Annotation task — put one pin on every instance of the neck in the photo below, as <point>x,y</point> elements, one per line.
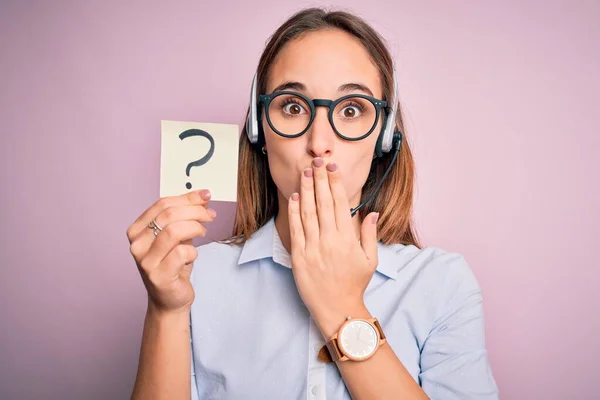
<point>283,227</point>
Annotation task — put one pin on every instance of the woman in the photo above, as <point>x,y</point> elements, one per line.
<point>304,282</point>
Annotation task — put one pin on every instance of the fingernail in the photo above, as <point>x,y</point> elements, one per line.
<point>308,172</point>
<point>317,162</point>
<point>331,167</point>
<point>295,196</point>
<point>374,218</point>
<point>205,194</point>
<point>211,212</point>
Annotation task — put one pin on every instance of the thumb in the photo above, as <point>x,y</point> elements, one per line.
<point>368,237</point>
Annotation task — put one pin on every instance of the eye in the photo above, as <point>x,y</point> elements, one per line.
<point>351,110</point>
<point>293,108</point>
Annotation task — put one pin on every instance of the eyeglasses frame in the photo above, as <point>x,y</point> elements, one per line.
<point>265,101</point>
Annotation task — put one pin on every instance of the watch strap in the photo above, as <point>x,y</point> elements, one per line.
<point>324,355</point>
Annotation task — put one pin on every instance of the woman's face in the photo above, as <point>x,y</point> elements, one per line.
<point>322,62</point>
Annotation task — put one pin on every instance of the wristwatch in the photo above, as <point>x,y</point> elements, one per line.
<point>357,340</point>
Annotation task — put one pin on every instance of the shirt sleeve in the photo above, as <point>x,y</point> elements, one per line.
<point>454,360</point>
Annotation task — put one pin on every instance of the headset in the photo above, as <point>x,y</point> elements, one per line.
<point>389,138</point>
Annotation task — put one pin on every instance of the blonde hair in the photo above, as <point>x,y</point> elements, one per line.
<point>257,200</point>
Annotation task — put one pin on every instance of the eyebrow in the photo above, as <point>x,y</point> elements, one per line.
<point>346,87</point>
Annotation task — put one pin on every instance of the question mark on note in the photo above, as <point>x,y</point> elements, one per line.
<point>203,160</point>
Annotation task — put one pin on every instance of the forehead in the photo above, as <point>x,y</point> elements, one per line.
<point>324,60</point>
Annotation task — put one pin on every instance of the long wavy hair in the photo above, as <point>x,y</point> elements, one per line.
<point>257,200</point>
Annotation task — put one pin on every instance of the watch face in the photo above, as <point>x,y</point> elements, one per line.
<point>358,339</point>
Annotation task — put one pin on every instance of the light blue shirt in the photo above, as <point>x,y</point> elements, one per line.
<point>253,338</point>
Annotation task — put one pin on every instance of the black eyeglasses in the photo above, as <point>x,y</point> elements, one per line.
<point>353,117</point>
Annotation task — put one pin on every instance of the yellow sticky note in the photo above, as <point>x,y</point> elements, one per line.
<point>197,155</point>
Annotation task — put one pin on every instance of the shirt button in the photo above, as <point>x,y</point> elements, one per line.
<point>315,390</point>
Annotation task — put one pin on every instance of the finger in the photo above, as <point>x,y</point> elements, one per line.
<point>171,236</point>
<point>323,198</point>
<point>343,219</point>
<point>200,197</point>
<point>173,265</point>
<point>179,261</point>
<point>142,242</point>
<point>295,221</point>
<point>308,208</point>
<point>178,213</point>
<point>368,238</point>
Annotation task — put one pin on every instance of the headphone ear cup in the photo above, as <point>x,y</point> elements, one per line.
<point>379,144</point>
<point>252,123</point>
<point>249,128</point>
<point>378,151</point>
<point>385,141</point>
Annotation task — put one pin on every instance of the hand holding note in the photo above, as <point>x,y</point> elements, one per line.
<point>161,245</point>
<point>193,156</point>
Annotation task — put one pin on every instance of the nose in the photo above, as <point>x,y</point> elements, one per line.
<point>321,136</point>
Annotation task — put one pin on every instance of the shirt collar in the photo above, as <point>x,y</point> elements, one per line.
<point>266,243</point>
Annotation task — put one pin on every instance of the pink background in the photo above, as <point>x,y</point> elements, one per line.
<point>502,108</point>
